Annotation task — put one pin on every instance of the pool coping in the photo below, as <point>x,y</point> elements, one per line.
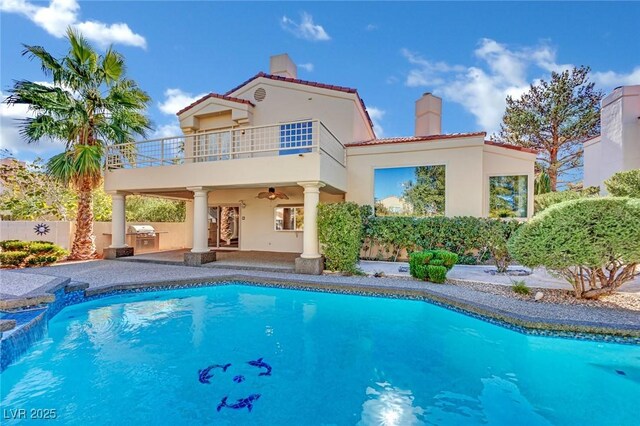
<point>66,292</point>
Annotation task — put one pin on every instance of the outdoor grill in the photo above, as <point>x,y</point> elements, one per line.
<point>143,237</point>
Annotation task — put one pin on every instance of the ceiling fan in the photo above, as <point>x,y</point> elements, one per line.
<point>272,194</point>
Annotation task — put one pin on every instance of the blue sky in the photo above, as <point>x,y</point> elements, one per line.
<point>471,54</point>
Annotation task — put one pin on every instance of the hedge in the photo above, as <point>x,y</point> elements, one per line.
<point>594,243</point>
<point>463,236</point>
<point>340,235</point>
<point>29,253</point>
<point>544,201</point>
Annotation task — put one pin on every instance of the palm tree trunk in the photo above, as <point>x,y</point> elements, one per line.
<point>84,242</point>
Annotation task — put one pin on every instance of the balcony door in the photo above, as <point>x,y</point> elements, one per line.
<point>224,227</point>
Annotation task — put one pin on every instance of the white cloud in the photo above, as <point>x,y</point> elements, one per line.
<point>307,67</point>
<point>611,79</point>
<point>376,115</point>
<point>10,138</point>
<point>176,99</point>
<point>306,29</point>
<point>166,131</point>
<point>371,27</point>
<point>61,14</point>
<point>500,71</point>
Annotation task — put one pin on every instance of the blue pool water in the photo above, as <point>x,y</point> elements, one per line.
<point>316,359</point>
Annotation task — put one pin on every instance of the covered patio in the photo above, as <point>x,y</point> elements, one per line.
<point>243,260</point>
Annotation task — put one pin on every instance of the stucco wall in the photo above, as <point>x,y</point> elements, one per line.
<point>257,230</point>
<point>463,174</point>
<point>173,235</point>
<point>290,102</point>
<point>469,164</point>
<point>60,232</point>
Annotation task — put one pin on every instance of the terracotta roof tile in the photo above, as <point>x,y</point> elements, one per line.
<point>509,146</point>
<point>217,96</point>
<point>406,139</point>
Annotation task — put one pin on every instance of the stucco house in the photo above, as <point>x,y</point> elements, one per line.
<point>617,147</point>
<point>307,143</point>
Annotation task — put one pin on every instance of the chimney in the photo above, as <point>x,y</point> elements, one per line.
<point>428,115</point>
<point>283,66</point>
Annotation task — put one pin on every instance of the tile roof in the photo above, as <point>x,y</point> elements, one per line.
<point>509,146</point>
<point>307,83</point>
<point>216,96</point>
<point>405,139</point>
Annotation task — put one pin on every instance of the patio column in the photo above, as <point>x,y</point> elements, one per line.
<point>310,261</point>
<point>188,223</point>
<point>118,247</point>
<point>118,220</point>
<point>200,220</point>
<point>200,253</point>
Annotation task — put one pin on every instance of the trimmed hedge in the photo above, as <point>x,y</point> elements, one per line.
<point>460,235</point>
<point>431,265</point>
<point>340,235</point>
<point>594,243</point>
<point>29,253</point>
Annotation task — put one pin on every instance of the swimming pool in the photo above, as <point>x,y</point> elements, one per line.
<point>240,354</point>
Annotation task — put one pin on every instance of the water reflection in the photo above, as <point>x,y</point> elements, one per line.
<point>390,406</point>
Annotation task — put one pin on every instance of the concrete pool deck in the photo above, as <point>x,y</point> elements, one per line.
<point>105,276</point>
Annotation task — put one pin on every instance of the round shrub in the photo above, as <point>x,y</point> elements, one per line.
<point>16,245</point>
<point>36,247</point>
<point>624,184</point>
<point>594,243</point>
<point>437,274</point>
<point>340,234</point>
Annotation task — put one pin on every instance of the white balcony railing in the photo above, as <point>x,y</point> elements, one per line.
<point>297,137</point>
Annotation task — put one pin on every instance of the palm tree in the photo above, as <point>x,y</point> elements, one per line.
<point>89,106</point>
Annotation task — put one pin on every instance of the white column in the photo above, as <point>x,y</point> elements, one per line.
<point>311,248</point>
<point>188,223</point>
<point>200,220</point>
<point>118,220</point>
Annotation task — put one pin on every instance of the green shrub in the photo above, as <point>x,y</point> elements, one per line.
<point>417,261</point>
<point>13,258</point>
<point>544,201</point>
<point>340,234</point>
<point>423,264</point>
<point>496,234</point>
<point>448,259</point>
<point>593,243</point>
<point>624,184</point>
<point>36,247</point>
<point>520,287</point>
<point>460,235</point>
<point>437,274</point>
<point>3,244</point>
<point>30,253</point>
<point>41,260</point>
<point>16,245</point>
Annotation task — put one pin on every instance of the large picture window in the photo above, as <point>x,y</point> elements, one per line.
<point>289,218</point>
<point>410,191</point>
<point>508,196</point>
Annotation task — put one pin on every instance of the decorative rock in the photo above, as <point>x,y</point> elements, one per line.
<point>6,325</point>
<point>539,295</point>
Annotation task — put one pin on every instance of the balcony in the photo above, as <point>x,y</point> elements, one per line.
<point>297,137</point>
<point>277,153</point>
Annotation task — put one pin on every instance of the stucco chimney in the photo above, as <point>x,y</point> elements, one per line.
<point>428,115</point>
<point>283,66</point>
